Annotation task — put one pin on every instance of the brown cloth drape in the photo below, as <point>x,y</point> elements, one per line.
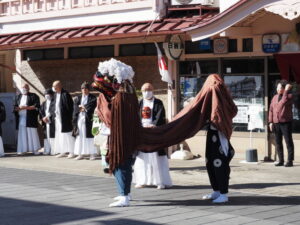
<point>213,104</point>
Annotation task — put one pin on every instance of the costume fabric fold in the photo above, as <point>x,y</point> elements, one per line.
<point>213,104</point>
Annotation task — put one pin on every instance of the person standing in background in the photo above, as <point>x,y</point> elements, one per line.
<point>280,121</point>
<point>26,109</point>
<point>152,168</point>
<point>61,109</point>
<point>84,107</point>
<point>48,123</point>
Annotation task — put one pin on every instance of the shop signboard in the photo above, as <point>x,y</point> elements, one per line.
<point>173,47</point>
<point>290,42</point>
<point>271,43</point>
<point>205,44</point>
<point>221,45</point>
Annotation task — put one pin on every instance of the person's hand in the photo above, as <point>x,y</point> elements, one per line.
<point>22,108</point>
<point>81,108</point>
<point>288,87</point>
<point>271,127</point>
<point>17,109</point>
<point>46,120</point>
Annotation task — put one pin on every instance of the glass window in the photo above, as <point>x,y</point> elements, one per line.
<point>132,50</point>
<point>238,66</point>
<point>272,66</point>
<point>192,77</point>
<point>204,67</point>
<point>248,95</point>
<point>80,52</point>
<point>103,51</point>
<point>43,54</point>
<point>54,53</point>
<point>150,48</point>
<point>189,88</point>
<point>197,47</point>
<point>232,45</point>
<point>31,55</point>
<point>247,45</point>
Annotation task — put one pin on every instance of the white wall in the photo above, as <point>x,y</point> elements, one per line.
<point>225,4</point>
<point>79,20</point>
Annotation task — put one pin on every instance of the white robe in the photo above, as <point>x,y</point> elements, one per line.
<point>28,139</point>
<point>1,147</point>
<point>83,145</point>
<point>63,142</point>
<point>48,142</point>
<point>150,168</point>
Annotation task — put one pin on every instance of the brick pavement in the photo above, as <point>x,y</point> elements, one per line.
<point>32,197</point>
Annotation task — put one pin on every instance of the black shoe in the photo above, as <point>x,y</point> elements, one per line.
<point>279,164</point>
<point>289,164</point>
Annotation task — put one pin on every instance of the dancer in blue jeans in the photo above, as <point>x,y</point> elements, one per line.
<point>123,177</point>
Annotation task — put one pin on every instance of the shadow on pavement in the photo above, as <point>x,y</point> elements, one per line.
<point>15,211</point>
<point>123,221</point>
<point>191,187</point>
<point>259,185</point>
<point>188,168</point>
<point>233,200</point>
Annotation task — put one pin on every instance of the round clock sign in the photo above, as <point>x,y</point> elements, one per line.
<point>174,47</point>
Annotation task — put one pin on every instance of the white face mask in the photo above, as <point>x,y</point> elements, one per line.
<point>48,97</point>
<point>147,95</point>
<point>24,91</point>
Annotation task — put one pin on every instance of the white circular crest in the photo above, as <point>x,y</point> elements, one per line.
<point>214,138</point>
<point>217,163</point>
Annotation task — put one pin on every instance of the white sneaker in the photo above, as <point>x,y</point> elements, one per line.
<point>161,187</point>
<point>212,196</point>
<point>60,155</point>
<point>79,157</point>
<point>122,202</point>
<point>70,156</point>
<point>92,157</point>
<point>221,199</point>
<point>120,196</point>
<point>139,186</point>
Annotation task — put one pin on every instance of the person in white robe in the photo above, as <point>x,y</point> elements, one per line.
<point>26,109</point>
<point>62,109</point>
<point>152,168</point>
<point>48,123</point>
<point>2,119</point>
<point>84,107</point>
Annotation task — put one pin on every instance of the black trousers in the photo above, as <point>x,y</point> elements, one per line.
<point>285,130</point>
<point>217,163</point>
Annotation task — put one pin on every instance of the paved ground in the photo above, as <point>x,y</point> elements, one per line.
<point>47,190</point>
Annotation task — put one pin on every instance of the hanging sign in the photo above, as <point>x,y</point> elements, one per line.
<point>271,43</point>
<point>221,45</point>
<point>205,44</point>
<point>173,47</point>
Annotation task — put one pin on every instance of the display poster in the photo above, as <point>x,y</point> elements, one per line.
<point>256,117</point>
<point>242,114</point>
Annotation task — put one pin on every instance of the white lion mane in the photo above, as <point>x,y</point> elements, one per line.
<point>117,69</point>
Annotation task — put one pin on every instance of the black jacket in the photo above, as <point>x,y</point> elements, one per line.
<point>90,107</point>
<point>32,115</point>
<point>158,116</point>
<point>2,116</point>
<point>66,110</point>
<point>51,120</point>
